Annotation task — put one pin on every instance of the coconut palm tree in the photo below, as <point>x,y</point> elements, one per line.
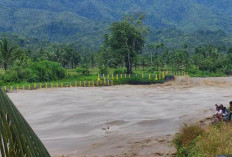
<point>17,139</point>
<point>7,53</point>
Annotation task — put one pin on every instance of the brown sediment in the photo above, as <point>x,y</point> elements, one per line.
<point>120,121</point>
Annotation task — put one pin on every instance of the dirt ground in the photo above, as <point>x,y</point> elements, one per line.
<point>119,121</point>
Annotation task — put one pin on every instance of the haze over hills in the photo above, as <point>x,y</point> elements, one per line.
<point>85,21</point>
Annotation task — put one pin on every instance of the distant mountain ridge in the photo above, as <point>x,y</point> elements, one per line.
<point>85,21</point>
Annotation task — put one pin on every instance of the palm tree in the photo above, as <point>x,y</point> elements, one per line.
<point>17,139</point>
<point>7,53</point>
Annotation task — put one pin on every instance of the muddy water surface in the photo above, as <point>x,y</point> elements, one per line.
<point>119,120</point>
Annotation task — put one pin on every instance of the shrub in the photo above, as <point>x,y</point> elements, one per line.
<point>40,71</point>
<point>46,71</point>
<point>83,71</point>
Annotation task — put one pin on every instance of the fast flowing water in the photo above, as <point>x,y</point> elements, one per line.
<point>119,120</point>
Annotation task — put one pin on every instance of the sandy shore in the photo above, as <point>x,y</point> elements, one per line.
<point>119,120</point>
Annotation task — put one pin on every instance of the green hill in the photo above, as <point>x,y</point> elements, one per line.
<point>85,21</point>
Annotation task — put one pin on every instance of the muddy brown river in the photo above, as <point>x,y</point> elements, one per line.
<point>122,120</point>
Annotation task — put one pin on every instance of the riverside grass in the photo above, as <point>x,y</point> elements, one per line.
<point>195,141</point>
<point>17,137</point>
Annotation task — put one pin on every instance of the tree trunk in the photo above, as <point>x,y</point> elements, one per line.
<point>5,66</point>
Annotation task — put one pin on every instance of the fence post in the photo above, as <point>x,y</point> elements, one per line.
<point>156,77</point>
<point>5,88</point>
<point>149,76</point>
<point>29,87</point>
<point>23,87</point>
<point>117,77</point>
<point>142,75</point>
<point>121,76</point>
<point>17,88</point>
<point>11,88</point>
<point>98,77</point>
<point>112,78</point>
<point>108,82</point>
<point>112,82</point>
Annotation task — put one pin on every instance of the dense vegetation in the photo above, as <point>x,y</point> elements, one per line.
<point>124,46</point>
<point>194,141</point>
<point>84,21</point>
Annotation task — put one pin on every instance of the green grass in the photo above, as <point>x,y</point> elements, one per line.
<point>193,141</point>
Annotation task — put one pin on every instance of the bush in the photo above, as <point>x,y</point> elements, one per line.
<point>40,71</point>
<point>83,71</point>
<point>46,71</point>
<point>17,73</point>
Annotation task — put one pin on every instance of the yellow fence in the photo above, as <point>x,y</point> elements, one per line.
<point>102,80</point>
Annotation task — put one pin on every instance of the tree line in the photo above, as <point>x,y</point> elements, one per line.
<point>124,46</point>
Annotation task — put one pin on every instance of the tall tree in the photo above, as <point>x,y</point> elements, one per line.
<point>127,39</point>
<point>7,52</point>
